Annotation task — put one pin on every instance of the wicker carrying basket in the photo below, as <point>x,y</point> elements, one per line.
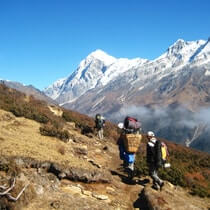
<point>132,142</point>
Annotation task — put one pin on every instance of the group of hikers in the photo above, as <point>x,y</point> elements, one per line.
<point>129,142</point>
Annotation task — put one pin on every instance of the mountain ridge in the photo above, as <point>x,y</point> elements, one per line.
<point>176,54</point>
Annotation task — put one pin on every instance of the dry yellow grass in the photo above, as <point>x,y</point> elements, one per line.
<point>21,137</point>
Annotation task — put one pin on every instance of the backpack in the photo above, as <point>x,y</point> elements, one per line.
<point>164,152</point>
<point>99,119</point>
<point>131,123</point>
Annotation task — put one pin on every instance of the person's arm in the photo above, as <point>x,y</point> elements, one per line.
<point>148,153</point>
<point>119,141</point>
<point>158,153</point>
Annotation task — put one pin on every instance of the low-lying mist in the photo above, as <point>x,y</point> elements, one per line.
<point>175,123</point>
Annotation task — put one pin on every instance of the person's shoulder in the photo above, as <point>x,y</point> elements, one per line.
<point>158,141</point>
<point>158,144</point>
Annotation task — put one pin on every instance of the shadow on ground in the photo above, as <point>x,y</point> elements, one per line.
<point>141,202</point>
<point>126,180</point>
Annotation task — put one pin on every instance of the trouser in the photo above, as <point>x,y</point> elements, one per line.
<point>128,161</point>
<point>101,133</point>
<point>131,170</point>
<point>131,166</point>
<point>153,171</point>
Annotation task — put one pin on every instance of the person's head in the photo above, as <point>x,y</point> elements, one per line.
<point>120,125</point>
<point>150,134</point>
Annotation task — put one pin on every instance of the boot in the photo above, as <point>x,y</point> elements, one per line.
<point>130,174</point>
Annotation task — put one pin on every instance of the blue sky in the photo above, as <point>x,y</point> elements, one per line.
<point>44,40</point>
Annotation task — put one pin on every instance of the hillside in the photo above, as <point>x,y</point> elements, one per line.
<point>28,90</point>
<point>81,171</point>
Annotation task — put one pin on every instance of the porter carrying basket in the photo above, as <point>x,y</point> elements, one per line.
<point>132,142</point>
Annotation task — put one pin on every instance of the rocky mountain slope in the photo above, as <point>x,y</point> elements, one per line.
<point>81,171</point>
<point>149,89</point>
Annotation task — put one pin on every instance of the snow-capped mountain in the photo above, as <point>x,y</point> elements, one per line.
<point>120,86</point>
<point>96,70</point>
<point>99,69</point>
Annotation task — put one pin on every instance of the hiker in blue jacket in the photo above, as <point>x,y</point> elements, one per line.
<point>154,160</point>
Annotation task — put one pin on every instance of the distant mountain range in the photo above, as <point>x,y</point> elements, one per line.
<point>99,72</point>
<point>28,90</point>
<point>170,94</point>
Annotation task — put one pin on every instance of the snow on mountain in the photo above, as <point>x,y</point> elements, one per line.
<point>207,73</point>
<point>95,63</point>
<point>54,90</point>
<point>202,54</point>
<point>102,56</point>
<point>86,77</point>
<point>180,53</point>
<point>98,69</point>
<point>184,49</point>
<point>120,66</point>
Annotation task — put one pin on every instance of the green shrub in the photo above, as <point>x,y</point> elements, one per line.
<point>67,116</point>
<point>200,191</point>
<point>50,130</point>
<point>40,118</point>
<point>205,162</point>
<point>141,165</point>
<point>174,175</point>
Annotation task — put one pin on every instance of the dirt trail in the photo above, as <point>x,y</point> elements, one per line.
<point>131,190</point>
<point>128,193</point>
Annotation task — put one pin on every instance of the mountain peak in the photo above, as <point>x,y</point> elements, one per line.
<point>103,56</point>
<point>179,41</point>
<point>177,46</point>
<point>98,52</point>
